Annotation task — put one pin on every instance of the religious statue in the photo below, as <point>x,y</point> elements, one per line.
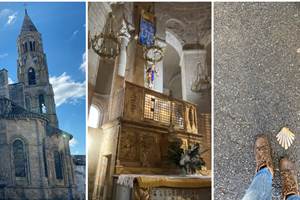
<point>151,72</point>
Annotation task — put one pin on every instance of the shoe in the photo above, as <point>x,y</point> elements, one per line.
<point>263,154</point>
<point>288,178</point>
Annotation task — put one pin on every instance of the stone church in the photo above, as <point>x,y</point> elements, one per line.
<point>35,155</point>
<point>149,85</point>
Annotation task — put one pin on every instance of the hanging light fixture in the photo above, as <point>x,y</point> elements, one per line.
<point>153,54</point>
<point>106,44</point>
<point>202,80</point>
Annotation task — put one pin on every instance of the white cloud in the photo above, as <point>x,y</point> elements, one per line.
<point>10,81</point>
<point>12,18</point>
<point>83,64</point>
<point>67,90</point>
<point>3,55</point>
<point>73,142</point>
<point>74,34</point>
<point>5,12</point>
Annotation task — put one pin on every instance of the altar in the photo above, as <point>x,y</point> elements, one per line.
<point>135,159</point>
<point>161,187</point>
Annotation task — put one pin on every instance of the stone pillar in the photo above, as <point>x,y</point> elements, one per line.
<point>124,37</point>
<point>4,83</point>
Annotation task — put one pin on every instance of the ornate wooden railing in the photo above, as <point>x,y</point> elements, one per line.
<point>139,104</point>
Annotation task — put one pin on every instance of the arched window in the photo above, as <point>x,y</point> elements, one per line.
<point>26,47</point>
<point>23,48</point>
<point>19,158</point>
<point>30,45</point>
<point>31,76</point>
<point>45,160</point>
<point>41,103</point>
<point>94,117</point>
<point>33,45</point>
<point>58,165</point>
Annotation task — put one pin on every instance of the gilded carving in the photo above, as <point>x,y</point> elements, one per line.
<point>133,102</point>
<point>141,193</point>
<point>191,119</point>
<point>128,147</point>
<point>149,153</point>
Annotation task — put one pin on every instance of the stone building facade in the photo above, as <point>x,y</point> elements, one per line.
<point>35,156</point>
<point>80,175</point>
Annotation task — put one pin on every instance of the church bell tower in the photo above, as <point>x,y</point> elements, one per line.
<point>33,72</point>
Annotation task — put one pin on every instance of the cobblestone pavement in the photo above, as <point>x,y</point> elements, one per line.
<point>256,88</point>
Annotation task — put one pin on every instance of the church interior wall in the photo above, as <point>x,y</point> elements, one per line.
<point>106,86</point>
<point>107,160</point>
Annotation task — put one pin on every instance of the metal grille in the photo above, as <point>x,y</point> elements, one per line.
<point>157,109</point>
<point>177,115</point>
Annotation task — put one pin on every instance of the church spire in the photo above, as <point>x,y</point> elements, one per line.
<point>27,25</point>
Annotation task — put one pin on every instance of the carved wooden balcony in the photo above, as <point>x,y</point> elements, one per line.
<point>147,122</point>
<point>139,104</point>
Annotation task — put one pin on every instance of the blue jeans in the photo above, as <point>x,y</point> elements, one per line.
<point>261,187</point>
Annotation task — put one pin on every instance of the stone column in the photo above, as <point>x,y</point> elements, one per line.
<point>124,37</point>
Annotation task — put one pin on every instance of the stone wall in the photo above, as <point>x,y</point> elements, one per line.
<point>35,185</point>
<point>107,161</point>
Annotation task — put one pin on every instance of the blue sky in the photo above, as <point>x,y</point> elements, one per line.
<point>62,26</point>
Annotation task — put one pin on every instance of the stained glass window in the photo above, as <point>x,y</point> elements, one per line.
<point>58,165</point>
<point>147,30</point>
<point>19,158</point>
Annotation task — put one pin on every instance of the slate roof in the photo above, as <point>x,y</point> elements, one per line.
<point>10,110</point>
<point>28,25</point>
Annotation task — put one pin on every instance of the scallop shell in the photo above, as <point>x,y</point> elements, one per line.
<point>285,138</point>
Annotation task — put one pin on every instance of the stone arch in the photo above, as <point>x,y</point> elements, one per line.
<point>172,68</point>
<point>58,164</point>
<point>20,160</point>
<point>31,76</point>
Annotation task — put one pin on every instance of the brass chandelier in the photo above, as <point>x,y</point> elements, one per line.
<point>106,44</point>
